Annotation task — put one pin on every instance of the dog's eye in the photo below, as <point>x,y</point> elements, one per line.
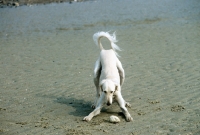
<point>105,91</point>
<point>111,92</point>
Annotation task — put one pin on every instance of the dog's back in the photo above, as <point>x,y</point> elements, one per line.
<point>108,58</point>
<point>109,69</point>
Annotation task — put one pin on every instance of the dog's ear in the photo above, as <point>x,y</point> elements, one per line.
<point>101,88</point>
<point>101,84</point>
<point>116,87</point>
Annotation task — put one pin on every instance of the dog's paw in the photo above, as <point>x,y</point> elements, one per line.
<point>127,104</point>
<point>129,118</point>
<point>87,118</point>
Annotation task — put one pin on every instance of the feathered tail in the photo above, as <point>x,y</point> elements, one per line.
<point>112,38</point>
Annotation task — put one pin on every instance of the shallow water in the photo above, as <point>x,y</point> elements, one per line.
<point>96,15</point>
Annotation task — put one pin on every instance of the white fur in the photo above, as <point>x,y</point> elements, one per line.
<point>108,77</point>
<point>97,36</point>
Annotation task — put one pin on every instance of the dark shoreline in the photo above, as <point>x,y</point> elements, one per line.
<point>16,3</point>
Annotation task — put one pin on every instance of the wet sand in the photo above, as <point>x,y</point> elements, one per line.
<point>47,57</point>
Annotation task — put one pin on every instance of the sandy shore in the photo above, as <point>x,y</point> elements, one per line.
<point>46,63</point>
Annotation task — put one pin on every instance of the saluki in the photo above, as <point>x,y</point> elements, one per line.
<point>109,76</point>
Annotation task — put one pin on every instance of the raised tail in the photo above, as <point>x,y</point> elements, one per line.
<point>112,38</point>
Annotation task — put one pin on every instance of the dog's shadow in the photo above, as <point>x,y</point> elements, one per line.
<point>82,108</point>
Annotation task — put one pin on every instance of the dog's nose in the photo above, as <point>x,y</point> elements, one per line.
<point>108,104</point>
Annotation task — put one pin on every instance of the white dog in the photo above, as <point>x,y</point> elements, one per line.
<point>108,77</point>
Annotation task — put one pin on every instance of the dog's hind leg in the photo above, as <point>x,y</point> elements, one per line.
<point>97,73</point>
<point>127,104</point>
<point>122,103</point>
<point>121,72</point>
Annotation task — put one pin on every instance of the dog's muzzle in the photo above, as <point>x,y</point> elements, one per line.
<point>108,104</point>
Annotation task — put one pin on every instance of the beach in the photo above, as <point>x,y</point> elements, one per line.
<point>47,58</point>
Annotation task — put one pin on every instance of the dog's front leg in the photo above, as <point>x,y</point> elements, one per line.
<point>122,103</point>
<point>97,110</point>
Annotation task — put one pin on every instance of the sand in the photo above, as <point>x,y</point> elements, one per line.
<point>47,57</point>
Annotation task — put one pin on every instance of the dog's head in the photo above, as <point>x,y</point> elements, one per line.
<point>108,88</point>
